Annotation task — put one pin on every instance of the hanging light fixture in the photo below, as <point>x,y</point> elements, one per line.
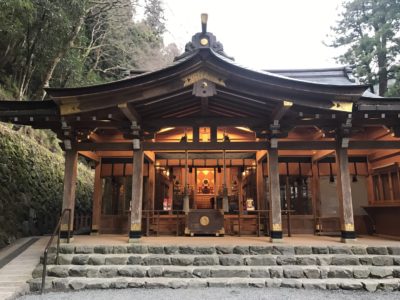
<point>355,179</point>
<point>331,177</point>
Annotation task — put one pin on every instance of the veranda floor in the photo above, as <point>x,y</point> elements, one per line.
<point>309,240</point>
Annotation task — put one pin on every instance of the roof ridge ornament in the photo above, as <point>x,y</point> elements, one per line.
<point>203,39</point>
<point>204,19</point>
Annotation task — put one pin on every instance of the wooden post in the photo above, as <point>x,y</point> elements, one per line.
<point>275,196</point>
<point>344,194</point>
<point>186,185</point>
<point>137,196</point>
<point>225,201</point>
<point>288,196</point>
<point>70,174</point>
<point>195,134</point>
<point>96,208</point>
<point>370,185</point>
<point>260,186</point>
<point>213,134</point>
<point>315,196</point>
<point>152,185</point>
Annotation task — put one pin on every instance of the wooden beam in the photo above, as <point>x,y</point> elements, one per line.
<point>129,112</point>
<point>204,122</point>
<point>247,146</point>
<point>321,154</point>
<point>137,196</point>
<point>151,156</point>
<point>205,155</point>
<point>379,107</point>
<point>28,113</point>
<point>91,155</point>
<point>281,110</point>
<point>275,196</point>
<point>261,155</point>
<point>382,155</point>
<point>204,106</point>
<point>343,186</point>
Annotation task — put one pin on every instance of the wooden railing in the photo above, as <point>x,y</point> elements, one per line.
<point>82,221</point>
<point>263,214</point>
<point>57,232</point>
<point>152,217</point>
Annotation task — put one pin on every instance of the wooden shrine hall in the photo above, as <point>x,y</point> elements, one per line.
<point>206,146</point>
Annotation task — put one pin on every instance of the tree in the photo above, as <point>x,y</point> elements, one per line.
<point>75,43</point>
<point>155,19</point>
<point>369,31</point>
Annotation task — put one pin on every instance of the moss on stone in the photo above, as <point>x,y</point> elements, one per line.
<point>31,187</point>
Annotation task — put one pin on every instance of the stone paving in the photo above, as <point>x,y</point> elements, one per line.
<point>217,293</point>
<point>15,274</point>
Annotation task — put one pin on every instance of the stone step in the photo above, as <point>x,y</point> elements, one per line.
<point>65,284</point>
<point>310,272</point>
<point>225,259</point>
<point>241,250</point>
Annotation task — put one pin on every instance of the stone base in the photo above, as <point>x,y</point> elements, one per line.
<point>65,241</point>
<point>64,236</point>
<point>134,240</point>
<point>348,236</point>
<point>276,240</point>
<point>134,236</point>
<point>348,241</point>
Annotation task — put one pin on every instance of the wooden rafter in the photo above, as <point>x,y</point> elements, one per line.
<point>281,110</point>
<point>129,112</point>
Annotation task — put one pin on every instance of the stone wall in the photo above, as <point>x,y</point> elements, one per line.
<point>31,187</point>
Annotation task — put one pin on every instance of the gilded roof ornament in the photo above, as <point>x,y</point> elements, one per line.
<point>204,39</point>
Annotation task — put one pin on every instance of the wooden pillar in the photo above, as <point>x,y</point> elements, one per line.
<point>315,196</point>
<point>96,207</point>
<point>260,186</point>
<point>152,185</point>
<point>70,175</point>
<point>225,200</point>
<point>195,134</point>
<point>213,134</point>
<point>137,196</point>
<point>344,194</point>
<point>370,185</point>
<point>275,196</point>
<point>186,184</point>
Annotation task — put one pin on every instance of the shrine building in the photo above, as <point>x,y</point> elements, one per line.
<point>206,146</point>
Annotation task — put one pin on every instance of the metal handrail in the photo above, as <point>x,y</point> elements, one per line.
<point>57,232</point>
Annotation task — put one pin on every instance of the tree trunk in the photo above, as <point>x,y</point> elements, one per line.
<point>69,44</point>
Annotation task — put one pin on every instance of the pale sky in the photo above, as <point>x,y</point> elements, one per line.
<point>262,34</point>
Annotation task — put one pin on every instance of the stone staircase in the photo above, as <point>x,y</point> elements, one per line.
<point>153,266</point>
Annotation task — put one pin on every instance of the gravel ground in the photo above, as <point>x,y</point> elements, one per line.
<point>215,293</point>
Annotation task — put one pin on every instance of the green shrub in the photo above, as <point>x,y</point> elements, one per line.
<point>31,187</point>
